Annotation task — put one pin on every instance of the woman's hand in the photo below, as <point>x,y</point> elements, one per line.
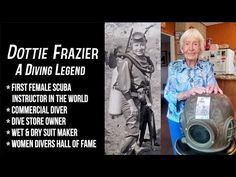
<point>192,91</point>
<point>133,108</point>
<point>213,88</point>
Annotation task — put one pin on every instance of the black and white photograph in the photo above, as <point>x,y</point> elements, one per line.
<point>132,89</point>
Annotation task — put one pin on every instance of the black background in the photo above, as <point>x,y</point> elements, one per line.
<point>88,118</point>
<point>118,11</point>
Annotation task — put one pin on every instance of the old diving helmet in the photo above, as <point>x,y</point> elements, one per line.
<point>208,123</point>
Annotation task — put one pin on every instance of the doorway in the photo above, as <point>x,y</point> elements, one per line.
<point>167,55</point>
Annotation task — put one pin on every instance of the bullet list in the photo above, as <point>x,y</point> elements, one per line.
<point>8,120</point>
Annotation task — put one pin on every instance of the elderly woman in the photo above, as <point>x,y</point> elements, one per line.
<point>186,77</point>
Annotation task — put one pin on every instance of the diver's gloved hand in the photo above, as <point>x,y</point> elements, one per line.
<point>133,108</point>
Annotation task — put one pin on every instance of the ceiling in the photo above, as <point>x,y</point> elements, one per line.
<point>210,23</point>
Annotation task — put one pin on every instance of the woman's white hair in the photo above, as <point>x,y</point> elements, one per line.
<point>192,32</point>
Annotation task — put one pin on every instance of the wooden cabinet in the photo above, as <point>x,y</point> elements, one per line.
<point>228,85</point>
